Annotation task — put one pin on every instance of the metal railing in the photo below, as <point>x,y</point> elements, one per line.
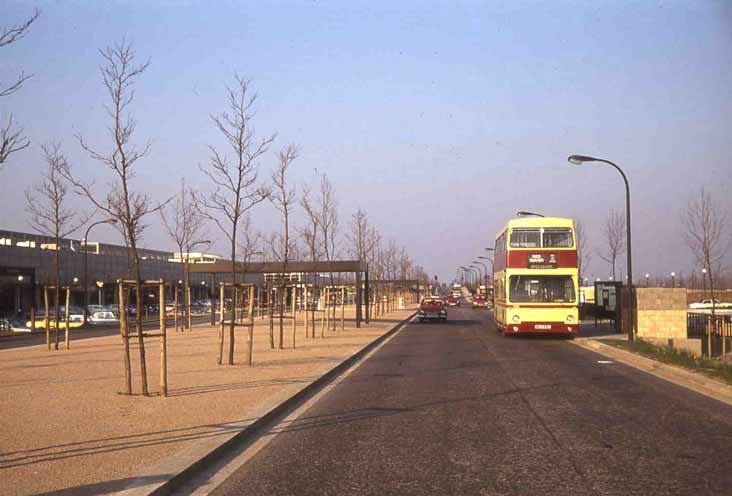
<point>716,327</point>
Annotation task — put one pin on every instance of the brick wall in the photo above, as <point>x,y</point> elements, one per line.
<point>661,312</point>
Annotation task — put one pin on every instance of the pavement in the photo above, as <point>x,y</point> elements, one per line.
<point>65,430</point>
<point>455,408</point>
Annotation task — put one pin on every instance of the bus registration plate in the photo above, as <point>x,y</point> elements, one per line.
<point>542,326</point>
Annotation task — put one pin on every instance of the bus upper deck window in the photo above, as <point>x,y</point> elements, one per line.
<point>525,238</point>
<point>557,238</point>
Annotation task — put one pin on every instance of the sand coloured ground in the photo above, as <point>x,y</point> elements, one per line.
<point>63,425</point>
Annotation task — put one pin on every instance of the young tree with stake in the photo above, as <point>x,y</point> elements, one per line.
<point>283,197</point>
<point>50,215</point>
<point>120,72</point>
<point>236,189</point>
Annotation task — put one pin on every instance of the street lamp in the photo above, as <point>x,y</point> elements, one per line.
<point>704,282</point>
<point>485,267</point>
<point>647,277</point>
<point>85,312</point>
<point>673,279</point>
<point>580,159</point>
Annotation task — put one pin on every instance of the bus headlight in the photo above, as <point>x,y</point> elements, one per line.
<point>516,319</point>
<point>570,318</point>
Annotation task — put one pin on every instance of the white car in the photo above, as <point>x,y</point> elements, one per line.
<point>103,317</point>
<point>706,304</point>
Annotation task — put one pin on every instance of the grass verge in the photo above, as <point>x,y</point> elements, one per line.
<point>711,368</point>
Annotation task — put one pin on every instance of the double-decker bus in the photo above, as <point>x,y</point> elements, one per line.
<point>535,278</point>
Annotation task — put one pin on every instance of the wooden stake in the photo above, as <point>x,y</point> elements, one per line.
<point>220,356</point>
<point>163,345</point>
<point>175,308</point>
<point>294,314</point>
<point>47,318</point>
<point>68,311</point>
<point>343,309</point>
<point>125,340</point>
<point>251,324</point>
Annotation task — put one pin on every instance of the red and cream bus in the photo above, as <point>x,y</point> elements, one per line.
<point>535,278</point>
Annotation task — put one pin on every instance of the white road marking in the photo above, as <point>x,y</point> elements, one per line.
<point>605,361</point>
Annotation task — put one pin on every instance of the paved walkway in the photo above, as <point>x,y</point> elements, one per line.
<point>64,427</point>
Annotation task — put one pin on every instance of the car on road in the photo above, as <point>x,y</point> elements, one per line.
<point>453,301</point>
<point>480,301</point>
<point>432,308</point>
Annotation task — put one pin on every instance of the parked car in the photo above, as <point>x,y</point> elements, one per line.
<point>706,304</point>
<point>432,308</point>
<point>103,317</point>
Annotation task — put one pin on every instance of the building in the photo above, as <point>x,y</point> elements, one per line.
<point>27,264</point>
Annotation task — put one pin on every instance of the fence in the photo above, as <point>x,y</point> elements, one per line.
<point>715,331</point>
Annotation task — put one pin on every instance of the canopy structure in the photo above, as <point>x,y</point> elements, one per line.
<point>335,266</point>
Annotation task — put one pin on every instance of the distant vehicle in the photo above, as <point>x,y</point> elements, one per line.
<point>480,301</point>
<point>453,301</point>
<point>706,304</point>
<point>432,308</point>
<point>535,280</point>
<point>103,317</point>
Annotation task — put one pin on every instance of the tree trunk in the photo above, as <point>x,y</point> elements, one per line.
<point>138,315</point>
<point>232,316</point>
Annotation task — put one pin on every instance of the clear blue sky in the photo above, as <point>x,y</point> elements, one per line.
<point>441,119</point>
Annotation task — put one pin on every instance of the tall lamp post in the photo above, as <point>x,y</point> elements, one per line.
<point>480,276</point>
<point>85,312</point>
<point>580,159</point>
<point>485,277</point>
<point>673,279</point>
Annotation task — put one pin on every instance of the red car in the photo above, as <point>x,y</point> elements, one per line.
<point>480,301</point>
<point>452,301</point>
<point>432,308</point>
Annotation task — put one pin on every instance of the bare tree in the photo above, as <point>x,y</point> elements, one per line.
<point>584,254</point>
<point>120,72</point>
<point>615,238</point>
<point>184,224</point>
<point>706,236</point>
<point>309,232</point>
<point>328,217</point>
<point>50,216</point>
<point>328,223</point>
<point>363,237</point>
<point>234,177</point>
<point>250,243</point>
<point>282,198</point>
<point>11,136</point>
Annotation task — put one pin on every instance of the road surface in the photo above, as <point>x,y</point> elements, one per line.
<point>455,408</point>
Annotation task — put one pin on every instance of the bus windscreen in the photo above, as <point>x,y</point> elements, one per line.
<point>541,289</point>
